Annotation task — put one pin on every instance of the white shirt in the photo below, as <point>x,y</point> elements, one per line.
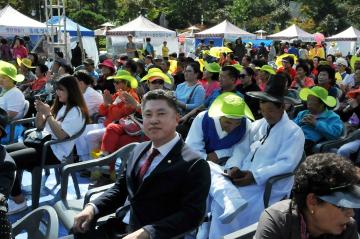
<point>164,150</point>
<point>348,80</point>
<point>13,100</point>
<point>93,100</point>
<point>71,124</point>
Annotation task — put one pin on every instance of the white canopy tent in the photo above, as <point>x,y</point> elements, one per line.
<point>225,30</point>
<point>14,23</point>
<point>141,28</point>
<point>292,32</point>
<point>347,40</point>
<point>87,36</point>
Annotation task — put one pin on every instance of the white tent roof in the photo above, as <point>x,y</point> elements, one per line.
<point>292,32</point>
<point>350,34</point>
<point>141,27</point>
<point>225,29</point>
<point>13,22</point>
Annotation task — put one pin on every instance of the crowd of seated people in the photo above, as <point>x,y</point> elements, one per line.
<point>234,117</point>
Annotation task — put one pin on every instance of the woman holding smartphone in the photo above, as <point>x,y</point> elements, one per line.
<point>62,120</point>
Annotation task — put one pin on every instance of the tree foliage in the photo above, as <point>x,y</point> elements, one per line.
<point>329,16</point>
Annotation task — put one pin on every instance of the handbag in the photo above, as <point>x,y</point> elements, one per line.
<point>36,139</point>
<point>132,125</point>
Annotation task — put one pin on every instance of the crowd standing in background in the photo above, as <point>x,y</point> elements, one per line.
<point>222,125</point>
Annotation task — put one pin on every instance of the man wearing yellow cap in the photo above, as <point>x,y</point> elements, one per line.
<point>318,122</point>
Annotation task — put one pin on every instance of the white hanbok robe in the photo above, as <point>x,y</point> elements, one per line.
<point>280,153</point>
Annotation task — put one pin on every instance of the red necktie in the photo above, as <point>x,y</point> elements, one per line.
<point>144,168</point>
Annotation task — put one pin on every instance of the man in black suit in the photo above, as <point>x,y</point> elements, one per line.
<point>162,193</point>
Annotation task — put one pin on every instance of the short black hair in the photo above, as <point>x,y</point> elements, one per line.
<point>332,57</point>
<point>84,76</point>
<point>43,68</point>
<point>3,41</point>
<point>249,71</point>
<point>195,66</point>
<point>174,54</point>
<point>131,64</point>
<point>305,67</point>
<point>320,172</point>
<point>233,72</point>
<point>68,68</point>
<point>290,59</point>
<point>160,94</point>
<point>328,69</point>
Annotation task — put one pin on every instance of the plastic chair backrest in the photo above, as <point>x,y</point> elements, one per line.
<point>26,108</point>
<point>245,233</point>
<point>41,223</point>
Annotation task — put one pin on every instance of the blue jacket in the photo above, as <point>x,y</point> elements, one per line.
<point>328,126</point>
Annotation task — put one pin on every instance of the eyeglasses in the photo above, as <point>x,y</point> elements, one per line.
<point>242,75</point>
<point>119,81</point>
<point>158,82</point>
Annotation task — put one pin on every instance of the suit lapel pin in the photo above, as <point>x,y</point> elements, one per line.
<point>169,161</point>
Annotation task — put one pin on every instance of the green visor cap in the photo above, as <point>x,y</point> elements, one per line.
<point>268,69</point>
<point>231,106</point>
<point>318,92</point>
<point>9,70</point>
<point>156,73</point>
<point>125,75</point>
<point>212,67</point>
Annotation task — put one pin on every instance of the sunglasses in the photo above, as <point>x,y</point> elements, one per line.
<point>119,81</point>
<point>158,82</point>
<point>242,76</point>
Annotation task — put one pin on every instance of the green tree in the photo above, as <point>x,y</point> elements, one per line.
<point>88,18</point>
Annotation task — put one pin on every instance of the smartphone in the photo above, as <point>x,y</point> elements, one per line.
<point>226,175</point>
<point>38,97</point>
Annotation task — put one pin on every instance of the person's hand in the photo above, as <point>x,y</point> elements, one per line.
<point>129,100</point>
<point>82,221</point>
<point>212,157</point>
<point>245,178</point>
<point>353,103</point>
<point>234,172</point>
<point>139,234</point>
<point>107,97</point>
<point>42,107</point>
<point>309,119</point>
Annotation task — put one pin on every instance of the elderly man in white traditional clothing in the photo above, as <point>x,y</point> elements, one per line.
<point>277,145</point>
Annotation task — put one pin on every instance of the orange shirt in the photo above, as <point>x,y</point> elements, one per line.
<point>118,109</point>
<point>39,84</point>
<point>308,82</point>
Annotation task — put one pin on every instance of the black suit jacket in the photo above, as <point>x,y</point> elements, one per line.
<point>170,201</point>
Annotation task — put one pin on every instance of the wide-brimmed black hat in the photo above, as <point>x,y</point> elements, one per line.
<point>3,122</point>
<point>274,91</point>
